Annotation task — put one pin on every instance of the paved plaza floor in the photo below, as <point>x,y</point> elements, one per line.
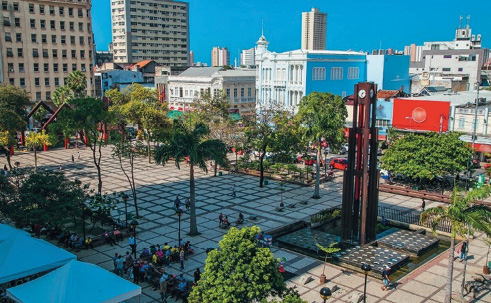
<point>158,186</point>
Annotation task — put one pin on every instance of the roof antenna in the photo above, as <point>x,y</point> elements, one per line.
<point>468,20</point>
<point>262,28</point>
<point>460,21</point>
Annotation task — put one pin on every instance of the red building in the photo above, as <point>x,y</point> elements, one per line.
<point>421,115</point>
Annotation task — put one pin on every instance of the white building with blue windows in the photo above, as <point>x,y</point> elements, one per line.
<point>285,78</point>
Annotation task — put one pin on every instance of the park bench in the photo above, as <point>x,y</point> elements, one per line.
<point>291,205</point>
<point>279,208</point>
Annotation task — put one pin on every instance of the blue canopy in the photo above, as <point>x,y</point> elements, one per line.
<point>75,282</point>
<point>21,256</point>
<point>8,231</point>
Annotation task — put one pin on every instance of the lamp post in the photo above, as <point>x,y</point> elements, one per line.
<point>134,225</point>
<point>325,293</point>
<point>83,220</point>
<point>125,199</point>
<point>179,214</point>
<point>366,269</point>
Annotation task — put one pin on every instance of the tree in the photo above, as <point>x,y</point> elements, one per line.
<point>42,197</point>
<point>463,214</point>
<point>62,95</point>
<point>88,116</point>
<point>239,272</point>
<point>13,116</point>
<point>187,142</point>
<point>77,82</point>
<point>322,116</point>
<point>40,115</point>
<point>127,151</point>
<point>424,156</point>
<point>36,140</point>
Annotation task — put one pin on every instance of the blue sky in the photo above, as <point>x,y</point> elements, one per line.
<point>351,24</point>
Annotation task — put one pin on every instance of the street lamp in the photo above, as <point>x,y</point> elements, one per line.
<point>179,214</point>
<point>366,269</point>
<point>83,219</point>
<point>125,199</point>
<point>134,225</point>
<point>325,293</point>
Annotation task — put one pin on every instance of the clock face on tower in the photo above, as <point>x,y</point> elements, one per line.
<point>362,94</point>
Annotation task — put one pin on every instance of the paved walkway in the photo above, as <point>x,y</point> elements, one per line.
<point>158,187</point>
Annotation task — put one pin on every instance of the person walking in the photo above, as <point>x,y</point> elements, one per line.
<point>177,202</point>
<point>73,159</point>
<point>132,243</point>
<point>181,257</point>
<point>115,264</point>
<point>385,278</point>
<point>423,205</point>
<point>78,155</point>
<point>463,251</point>
<point>163,290</point>
<point>234,194</point>
<point>119,266</point>
<point>197,276</point>
<point>136,272</point>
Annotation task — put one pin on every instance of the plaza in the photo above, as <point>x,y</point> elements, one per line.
<point>158,186</point>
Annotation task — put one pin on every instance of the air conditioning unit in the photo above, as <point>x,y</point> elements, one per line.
<point>11,70</point>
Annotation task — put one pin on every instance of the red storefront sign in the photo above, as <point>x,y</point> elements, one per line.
<point>421,115</point>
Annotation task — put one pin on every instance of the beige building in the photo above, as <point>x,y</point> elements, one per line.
<point>314,30</point>
<point>42,42</point>
<point>155,30</point>
<point>220,56</point>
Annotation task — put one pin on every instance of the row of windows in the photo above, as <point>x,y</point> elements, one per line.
<point>45,53</point>
<point>44,38</point>
<point>61,10</point>
<point>52,24</point>
<point>47,67</point>
<point>319,73</point>
<point>37,82</point>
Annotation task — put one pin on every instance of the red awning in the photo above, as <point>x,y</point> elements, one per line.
<point>483,148</point>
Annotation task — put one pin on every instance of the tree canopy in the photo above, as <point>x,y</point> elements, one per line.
<point>424,156</point>
<point>239,272</point>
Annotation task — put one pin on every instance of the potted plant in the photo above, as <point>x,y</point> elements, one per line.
<point>331,249</point>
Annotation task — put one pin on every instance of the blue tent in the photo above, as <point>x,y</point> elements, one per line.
<point>8,231</point>
<point>75,282</point>
<point>21,256</point>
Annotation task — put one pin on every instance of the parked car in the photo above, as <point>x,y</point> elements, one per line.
<point>342,150</point>
<point>338,163</point>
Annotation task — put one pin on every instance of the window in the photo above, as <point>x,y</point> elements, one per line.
<point>11,67</point>
<point>55,67</point>
<point>81,26</point>
<point>447,56</point>
<point>36,67</point>
<point>53,38</point>
<point>61,10</point>
<point>336,73</point>
<point>446,69</point>
<point>41,9</point>
<point>34,38</point>
<point>48,95</point>
<point>80,13</point>
<point>38,96</point>
<point>37,82</point>
<point>33,23</point>
<point>17,22</point>
<point>12,81</point>
<point>461,69</point>
<point>46,67</point>
<point>65,68</point>
<point>43,24</point>
<point>20,52</point>
<point>235,93</point>
<point>18,37</point>
<point>82,67</point>
<point>45,53</point>
<point>63,53</point>
<point>475,123</point>
<point>74,67</point>
<point>72,26</point>
<point>8,37</point>
<point>81,40</point>
<point>353,73</point>
<point>31,8</point>
<point>4,5</point>
<point>461,122</point>
<point>249,92</point>
<point>16,6</point>
<point>74,53</point>
<point>35,52</point>
<point>90,53</point>
<point>70,11</point>
<point>62,25</point>
<point>52,24</point>
<point>57,81</point>
<point>228,93</point>
<point>6,21</point>
<point>318,73</point>
<point>46,81</point>
<point>242,92</point>
<point>63,39</point>
<point>51,10</point>
<point>72,39</point>
<point>44,38</point>
<point>82,54</point>
<point>21,67</point>
<point>22,82</point>
<point>55,53</point>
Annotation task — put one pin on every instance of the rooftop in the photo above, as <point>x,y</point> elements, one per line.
<point>200,71</point>
<point>323,52</point>
<point>455,99</point>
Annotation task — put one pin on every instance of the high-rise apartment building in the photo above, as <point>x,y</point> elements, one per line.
<point>220,56</point>
<point>247,57</point>
<point>41,42</point>
<point>314,30</point>
<point>155,30</point>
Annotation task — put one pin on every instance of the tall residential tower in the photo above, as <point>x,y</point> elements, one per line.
<point>155,30</point>
<point>314,30</point>
<point>42,42</point>
<point>220,56</point>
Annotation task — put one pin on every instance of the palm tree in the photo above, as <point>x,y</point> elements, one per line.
<point>463,214</point>
<point>35,140</point>
<point>189,142</point>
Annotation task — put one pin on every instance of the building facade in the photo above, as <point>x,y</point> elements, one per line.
<point>192,84</point>
<point>220,57</point>
<point>314,30</point>
<point>390,72</point>
<point>248,57</point>
<point>155,30</point>
<point>42,42</point>
<point>285,78</point>
<point>107,80</point>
